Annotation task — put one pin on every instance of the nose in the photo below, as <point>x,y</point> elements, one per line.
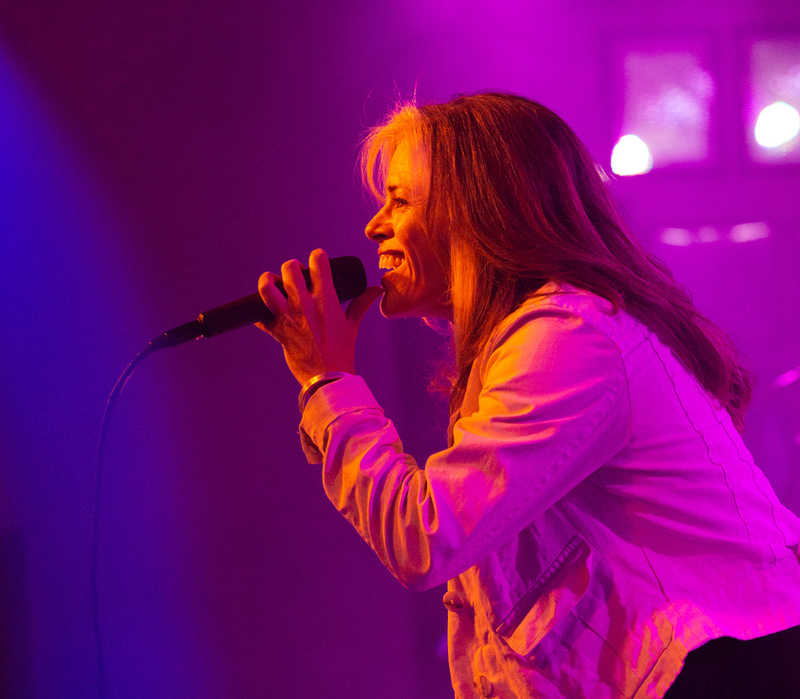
<point>379,228</point>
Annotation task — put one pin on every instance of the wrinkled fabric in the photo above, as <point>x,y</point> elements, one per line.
<point>596,514</point>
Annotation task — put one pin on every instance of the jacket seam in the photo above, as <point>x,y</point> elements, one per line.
<point>702,437</point>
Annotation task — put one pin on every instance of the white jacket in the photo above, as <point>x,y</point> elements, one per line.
<point>597,515</point>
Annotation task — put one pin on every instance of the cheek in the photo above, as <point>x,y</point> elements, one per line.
<point>433,269</point>
<point>423,253</point>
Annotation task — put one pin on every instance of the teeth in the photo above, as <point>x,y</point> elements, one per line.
<point>390,260</point>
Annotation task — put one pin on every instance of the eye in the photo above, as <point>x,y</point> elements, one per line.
<point>400,202</point>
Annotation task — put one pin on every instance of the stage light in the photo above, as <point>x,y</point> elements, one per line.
<point>787,379</point>
<point>668,98</point>
<point>745,232</point>
<point>679,237</point>
<point>631,156</point>
<point>739,233</point>
<point>773,112</point>
<point>777,125</point>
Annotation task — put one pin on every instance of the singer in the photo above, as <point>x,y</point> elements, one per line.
<point>601,526</point>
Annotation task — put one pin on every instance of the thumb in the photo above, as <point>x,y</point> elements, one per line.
<point>360,305</point>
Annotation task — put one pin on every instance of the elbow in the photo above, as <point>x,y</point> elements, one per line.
<point>420,573</point>
<point>413,542</point>
<point>420,582</point>
<point>413,574</point>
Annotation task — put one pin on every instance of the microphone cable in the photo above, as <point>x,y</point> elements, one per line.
<point>349,279</point>
<point>95,555</point>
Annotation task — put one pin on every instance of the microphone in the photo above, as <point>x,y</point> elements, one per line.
<point>349,280</point>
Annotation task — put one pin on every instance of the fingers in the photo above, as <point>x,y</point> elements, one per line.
<point>294,282</point>
<point>313,321</point>
<point>316,333</point>
<point>271,295</point>
<point>275,290</point>
<point>322,278</point>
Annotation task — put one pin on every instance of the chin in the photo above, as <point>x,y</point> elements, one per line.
<point>389,309</point>
<point>394,307</point>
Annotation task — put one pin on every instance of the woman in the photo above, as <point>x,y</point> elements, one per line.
<point>596,515</point>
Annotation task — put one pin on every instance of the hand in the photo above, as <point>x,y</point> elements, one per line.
<point>316,334</point>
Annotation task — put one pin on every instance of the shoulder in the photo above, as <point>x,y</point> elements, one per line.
<point>558,342</point>
<point>563,314</point>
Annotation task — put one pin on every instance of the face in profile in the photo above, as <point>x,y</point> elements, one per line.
<point>415,283</point>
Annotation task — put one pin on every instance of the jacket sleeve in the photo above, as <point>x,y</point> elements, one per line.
<point>552,408</point>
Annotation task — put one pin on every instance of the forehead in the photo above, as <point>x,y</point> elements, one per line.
<point>408,166</point>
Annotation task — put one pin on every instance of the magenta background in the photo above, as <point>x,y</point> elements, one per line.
<point>155,158</point>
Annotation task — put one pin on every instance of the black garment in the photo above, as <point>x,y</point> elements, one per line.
<point>728,668</point>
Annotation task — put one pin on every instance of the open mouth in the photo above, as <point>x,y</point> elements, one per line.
<point>390,260</point>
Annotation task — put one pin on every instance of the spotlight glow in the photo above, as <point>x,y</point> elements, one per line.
<point>679,237</point>
<point>777,124</point>
<point>631,156</point>
<point>745,232</point>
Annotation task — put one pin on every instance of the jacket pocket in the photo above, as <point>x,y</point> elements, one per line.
<point>550,599</point>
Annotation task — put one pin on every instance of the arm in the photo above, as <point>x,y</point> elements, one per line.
<point>552,409</point>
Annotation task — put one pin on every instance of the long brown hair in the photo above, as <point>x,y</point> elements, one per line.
<point>516,201</point>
